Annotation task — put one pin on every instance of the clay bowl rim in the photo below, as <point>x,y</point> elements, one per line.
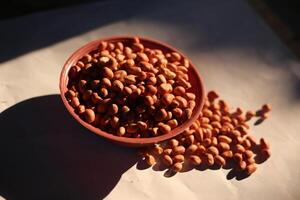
<point>125,140</point>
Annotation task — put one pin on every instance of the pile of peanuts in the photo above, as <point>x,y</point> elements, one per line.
<point>130,90</point>
<point>217,137</point>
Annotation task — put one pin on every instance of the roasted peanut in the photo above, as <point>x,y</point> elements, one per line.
<point>179,91</point>
<point>81,109</point>
<point>242,165</point>
<point>209,159</point>
<point>158,150</point>
<point>107,73</point>
<point>220,160</point>
<point>167,98</point>
<point>177,167</point>
<point>227,154</point>
<point>164,88</point>
<point>173,143</point>
<point>195,160</point>
<point>178,150</point>
<point>225,139</point>
<point>167,151</point>
<point>164,128</point>
<point>152,89</point>
<point>172,123</point>
<point>89,115</point>
<point>167,160</point>
<point>74,102</point>
<point>121,131</point>
<point>178,158</point>
<point>150,159</point>
<point>250,169</point>
<point>224,146</point>
<point>113,109</point>
<point>213,150</point>
<point>192,149</point>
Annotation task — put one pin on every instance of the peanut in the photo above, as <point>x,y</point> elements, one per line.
<point>158,150</point>
<point>173,143</point>
<point>178,150</point>
<point>220,160</point>
<point>150,160</point>
<point>251,169</point>
<point>192,149</point>
<point>209,159</point>
<point>167,160</point>
<point>89,115</point>
<point>195,160</point>
<point>178,158</point>
<point>177,167</point>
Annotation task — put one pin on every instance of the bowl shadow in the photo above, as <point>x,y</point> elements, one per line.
<point>45,154</point>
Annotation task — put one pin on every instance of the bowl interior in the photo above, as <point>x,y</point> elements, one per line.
<point>195,80</point>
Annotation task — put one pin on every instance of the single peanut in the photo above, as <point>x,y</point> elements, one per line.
<point>173,143</point>
<point>213,150</point>
<point>108,73</point>
<point>178,150</point>
<point>113,109</point>
<point>242,165</point>
<point>195,160</point>
<point>227,154</point>
<point>178,158</point>
<point>224,146</point>
<point>164,128</point>
<point>89,115</point>
<point>167,98</point>
<point>75,102</point>
<point>121,131</point>
<point>167,151</point>
<point>209,159</point>
<point>225,139</point>
<point>179,91</point>
<point>167,160</point>
<point>172,123</point>
<point>250,169</point>
<point>220,160</point>
<point>192,149</point>
<point>177,167</point>
<point>150,160</point>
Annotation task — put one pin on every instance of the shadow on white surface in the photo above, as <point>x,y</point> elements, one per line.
<point>45,154</point>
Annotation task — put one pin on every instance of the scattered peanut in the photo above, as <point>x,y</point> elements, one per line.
<point>216,138</point>
<point>131,90</point>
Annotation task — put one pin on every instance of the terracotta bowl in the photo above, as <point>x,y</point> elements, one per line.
<point>195,79</point>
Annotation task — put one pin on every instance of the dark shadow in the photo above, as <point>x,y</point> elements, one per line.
<point>32,32</point>
<point>201,167</point>
<point>159,166</point>
<point>214,26</point>
<point>142,165</point>
<point>259,121</point>
<point>229,164</point>
<point>45,154</point>
<point>259,156</point>
<point>187,166</point>
<point>238,175</point>
<point>169,173</point>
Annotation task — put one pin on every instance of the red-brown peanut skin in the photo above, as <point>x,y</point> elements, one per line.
<point>131,141</point>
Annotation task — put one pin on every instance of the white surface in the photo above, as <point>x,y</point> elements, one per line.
<point>234,51</point>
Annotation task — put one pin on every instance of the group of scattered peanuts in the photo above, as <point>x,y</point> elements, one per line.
<point>130,90</point>
<point>217,137</point>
